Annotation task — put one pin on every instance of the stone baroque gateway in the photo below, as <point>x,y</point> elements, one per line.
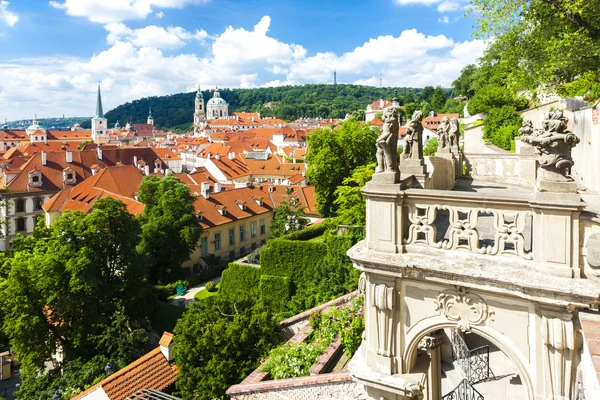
<point>501,266</point>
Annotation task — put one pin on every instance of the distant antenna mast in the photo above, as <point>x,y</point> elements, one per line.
<point>380,79</point>
<point>334,77</point>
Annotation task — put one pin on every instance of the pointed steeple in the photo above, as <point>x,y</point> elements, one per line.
<point>99,111</point>
<point>149,112</point>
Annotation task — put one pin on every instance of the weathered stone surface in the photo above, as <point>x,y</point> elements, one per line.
<point>387,160</point>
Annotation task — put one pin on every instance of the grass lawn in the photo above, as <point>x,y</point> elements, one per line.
<point>203,294</point>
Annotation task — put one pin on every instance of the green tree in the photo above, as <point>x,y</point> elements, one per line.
<point>287,217</point>
<point>431,147</point>
<point>501,126</point>
<point>410,108</point>
<point>219,343</point>
<point>494,96</point>
<point>438,99</point>
<point>170,229</point>
<point>425,107</point>
<point>463,85</point>
<point>333,155</point>
<point>349,200</point>
<point>549,42</point>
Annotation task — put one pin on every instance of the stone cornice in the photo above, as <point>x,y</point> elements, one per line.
<point>500,275</point>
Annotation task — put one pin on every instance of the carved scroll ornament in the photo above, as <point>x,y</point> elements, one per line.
<point>466,309</point>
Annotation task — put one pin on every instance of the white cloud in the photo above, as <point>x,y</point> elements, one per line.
<point>7,17</point>
<point>444,20</point>
<point>152,36</point>
<point>424,2</point>
<point>110,11</point>
<point>134,66</point>
<point>159,14</point>
<point>448,6</point>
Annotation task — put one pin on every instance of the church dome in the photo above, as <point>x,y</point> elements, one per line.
<point>216,99</point>
<point>34,127</point>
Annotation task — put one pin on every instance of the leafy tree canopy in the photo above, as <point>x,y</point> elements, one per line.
<point>350,202</point>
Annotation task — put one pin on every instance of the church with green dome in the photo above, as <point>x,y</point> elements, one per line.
<point>217,107</point>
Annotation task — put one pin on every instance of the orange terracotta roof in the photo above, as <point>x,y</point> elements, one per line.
<point>434,122</point>
<point>273,165</point>
<point>304,195</point>
<point>151,371</point>
<point>78,136</point>
<point>166,339</point>
<point>296,179</point>
<point>376,122</point>
<point>380,104</point>
<point>116,182</point>
<point>232,169</point>
<point>229,201</point>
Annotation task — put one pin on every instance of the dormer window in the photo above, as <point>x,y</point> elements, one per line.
<point>258,200</point>
<point>222,209</point>
<point>199,216</point>
<point>69,176</point>
<point>35,178</point>
<point>241,204</point>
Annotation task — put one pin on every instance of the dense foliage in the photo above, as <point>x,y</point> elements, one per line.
<point>288,217</point>
<point>333,155</point>
<point>350,202</point>
<point>292,360</point>
<point>80,287</point>
<point>219,342</point>
<point>170,230</point>
<point>290,103</point>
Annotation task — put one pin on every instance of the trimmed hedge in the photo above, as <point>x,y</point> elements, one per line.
<point>293,258</point>
<point>239,281</point>
<point>307,233</point>
<point>274,291</point>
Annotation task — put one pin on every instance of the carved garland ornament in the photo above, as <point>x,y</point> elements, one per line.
<point>466,309</point>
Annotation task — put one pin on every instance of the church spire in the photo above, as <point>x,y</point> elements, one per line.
<point>99,111</point>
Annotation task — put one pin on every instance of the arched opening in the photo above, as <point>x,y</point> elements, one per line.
<point>471,365</point>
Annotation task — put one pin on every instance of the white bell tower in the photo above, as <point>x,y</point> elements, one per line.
<point>99,123</point>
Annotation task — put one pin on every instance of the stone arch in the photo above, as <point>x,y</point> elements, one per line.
<point>424,327</point>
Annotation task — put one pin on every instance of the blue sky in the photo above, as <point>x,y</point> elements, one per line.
<point>53,52</point>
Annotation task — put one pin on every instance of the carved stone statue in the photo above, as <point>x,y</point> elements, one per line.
<point>443,132</point>
<point>553,144</point>
<point>387,143</point>
<point>454,133</point>
<point>527,128</point>
<point>414,137</point>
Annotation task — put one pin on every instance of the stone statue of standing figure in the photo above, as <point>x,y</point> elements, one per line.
<point>387,143</point>
<point>414,137</point>
<point>443,132</point>
<point>454,133</point>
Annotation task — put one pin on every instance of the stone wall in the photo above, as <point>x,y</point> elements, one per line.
<point>319,387</point>
<point>586,154</point>
<point>515,169</point>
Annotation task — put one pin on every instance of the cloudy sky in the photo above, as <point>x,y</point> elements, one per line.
<point>54,52</point>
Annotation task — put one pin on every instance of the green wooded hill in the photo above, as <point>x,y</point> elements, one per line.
<point>291,102</point>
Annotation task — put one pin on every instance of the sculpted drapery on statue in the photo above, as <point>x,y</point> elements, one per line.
<point>387,143</point>
<point>454,133</point>
<point>443,132</point>
<point>413,140</point>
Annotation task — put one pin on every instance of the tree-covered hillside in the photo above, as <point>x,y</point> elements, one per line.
<point>290,102</point>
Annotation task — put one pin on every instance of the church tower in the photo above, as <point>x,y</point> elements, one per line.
<point>99,123</point>
<point>199,112</point>
<point>150,120</point>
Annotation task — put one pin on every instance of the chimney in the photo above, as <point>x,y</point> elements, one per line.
<point>206,190</point>
<point>69,155</point>
<point>147,170</point>
<point>217,187</point>
<point>167,171</point>
<point>432,113</point>
<point>166,346</point>
<point>231,155</point>
<point>43,158</point>
<point>99,153</point>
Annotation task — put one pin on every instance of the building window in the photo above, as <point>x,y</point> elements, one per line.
<point>263,226</point>
<point>232,237</point>
<point>253,229</point>
<point>218,241</point>
<point>37,203</point>
<point>232,254</point>
<point>204,246</point>
<point>242,233</point>
<point>20,224</point>
<point>19,205</point>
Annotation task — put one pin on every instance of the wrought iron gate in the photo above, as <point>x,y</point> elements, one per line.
<point>464,391</point>
<point>474,363</point>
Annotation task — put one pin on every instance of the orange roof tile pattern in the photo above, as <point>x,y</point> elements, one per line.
<point>432,123</point>
<point>273,166</point>
<point>116,182</point>
<point>380,104</point>
<point>151,371</point>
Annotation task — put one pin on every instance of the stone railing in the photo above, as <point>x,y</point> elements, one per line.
<point>485,220</point>
<point>473,227</point>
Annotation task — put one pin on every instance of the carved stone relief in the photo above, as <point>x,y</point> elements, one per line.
<point>466,309</point>
<point>384,302</point>
<point>559,339</point>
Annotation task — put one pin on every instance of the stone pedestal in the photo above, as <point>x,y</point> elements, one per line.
<point>416,167</point>
<point>384,214</point>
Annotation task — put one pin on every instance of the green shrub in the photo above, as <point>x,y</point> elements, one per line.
<point>274,291</point>
<point>165,316</point>
<point>351,336</point>
<point>292,360</point>
<point>211,287</point>
<point>163,292</point>
<point>204,294</point>
<point>292,258</point>
<point>254,257</point>
<point>239,281</point>
<point>307,233</point>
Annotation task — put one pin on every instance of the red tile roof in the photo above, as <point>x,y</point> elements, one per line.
<point>432,123</point>
<point>380,104</point>
<point>152,371</point>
